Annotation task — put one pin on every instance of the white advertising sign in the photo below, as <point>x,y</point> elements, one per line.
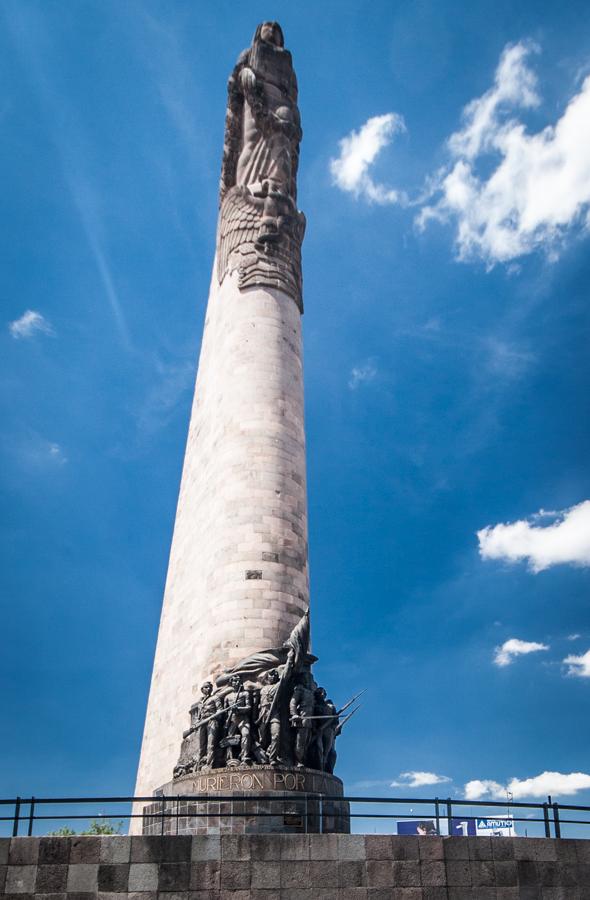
<point>495,827</point>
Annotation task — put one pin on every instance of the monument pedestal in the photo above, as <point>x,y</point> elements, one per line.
<point>252,800</point>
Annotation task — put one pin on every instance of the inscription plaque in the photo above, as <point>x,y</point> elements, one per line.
<point>261,779</point>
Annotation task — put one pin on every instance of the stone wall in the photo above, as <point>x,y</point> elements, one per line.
<point>294,867</point>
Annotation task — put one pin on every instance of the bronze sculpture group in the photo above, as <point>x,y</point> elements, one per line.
<point>266,710</point>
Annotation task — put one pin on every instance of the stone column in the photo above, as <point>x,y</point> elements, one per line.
<point>238,575</point>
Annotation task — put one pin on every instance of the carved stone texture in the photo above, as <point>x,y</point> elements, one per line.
<point>266,710</point>
<point>260,229</point>
<point>246,799</point>
<point>262,778</point>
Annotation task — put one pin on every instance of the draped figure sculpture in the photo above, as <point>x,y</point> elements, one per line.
<point>260,228</point>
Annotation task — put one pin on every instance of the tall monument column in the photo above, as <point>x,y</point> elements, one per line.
<point>233,644</point>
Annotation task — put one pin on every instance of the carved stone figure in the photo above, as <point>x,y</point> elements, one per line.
<point>301,710</point>
<point>238,704</point>
<point>260,228</point>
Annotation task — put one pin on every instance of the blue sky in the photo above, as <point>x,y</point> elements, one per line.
<point>447,374</point>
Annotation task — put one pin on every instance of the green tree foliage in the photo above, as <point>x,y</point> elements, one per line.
<point>103,827</point>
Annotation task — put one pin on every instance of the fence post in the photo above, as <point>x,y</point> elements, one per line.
<point>556,824</point>
<point>31,816</point>
<point>321,813</point>
<point>16,817</point>
<point>163,809</point>
<point>450,816</point>
<point>546,820</point>
<point>437,815</point>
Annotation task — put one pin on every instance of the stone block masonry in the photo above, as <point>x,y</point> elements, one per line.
<point>238,572</point>
<point>294,867</point>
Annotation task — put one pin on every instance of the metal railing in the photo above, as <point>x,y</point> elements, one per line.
<point>26,811</point>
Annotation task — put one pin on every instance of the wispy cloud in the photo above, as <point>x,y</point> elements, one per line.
<point>554,783</point>
<point>510,649</point>
<point>173,380</point>
<point>30,323</point>
<point>175,80</point>
<point>84,198</point>
<point>578,666</point>
<point>32,41</point>
<point>56,454</point>
<point>419,779</point>
<point>362,374</point>
<point>507,359</point>
<point>515,85</point>
<point>36,453</point>
<point>368,783</point>
<point>540,188</point>
<point>566,540</point>
<point>358,151</point>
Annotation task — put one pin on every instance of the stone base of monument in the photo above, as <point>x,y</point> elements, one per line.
<point>252,800</point>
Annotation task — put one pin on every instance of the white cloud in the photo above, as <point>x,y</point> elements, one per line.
<point>362,373</point>
<point>514,85</point>
<point>477,790</point>
<point>56,454</point>
<point>540,187</point>
<point>566,540</point>
<point>554,783</point>
<point>419,779</point>
<point>514,647</point>
<point>29,323</point>
<point>350,171</point>
<point>579,666</point>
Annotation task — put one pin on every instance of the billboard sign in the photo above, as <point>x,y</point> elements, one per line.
<point>415,826</point>
<point>464,826</point>
<point>495,826</point>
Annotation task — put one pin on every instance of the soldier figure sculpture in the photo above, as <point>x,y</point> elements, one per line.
<point>239,723</point>
<point>269,717</point>
<point>211,709</point>
<point>301,709</point>
<point>324,729</point>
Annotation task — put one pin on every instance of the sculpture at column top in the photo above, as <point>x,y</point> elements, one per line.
<point>260,229</point>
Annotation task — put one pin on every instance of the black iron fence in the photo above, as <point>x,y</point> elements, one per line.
<point>22,814</point>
